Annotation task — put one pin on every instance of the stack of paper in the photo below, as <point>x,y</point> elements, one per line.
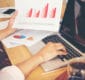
<point>26,37</point>
<point>3,24</point>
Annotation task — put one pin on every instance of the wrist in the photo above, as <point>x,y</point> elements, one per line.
<point>40,58</point>
<point>9,30</point>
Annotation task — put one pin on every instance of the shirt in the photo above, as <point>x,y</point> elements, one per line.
<point>4,59</point>
<point>11,73</point>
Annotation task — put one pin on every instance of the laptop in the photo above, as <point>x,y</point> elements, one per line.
<point>71,35</point>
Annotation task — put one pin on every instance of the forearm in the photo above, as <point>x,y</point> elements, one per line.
<point>27,66</point>
<point>50,51</point>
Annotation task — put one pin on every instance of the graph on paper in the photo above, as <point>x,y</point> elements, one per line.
<point>38,14</point>
<point>44,13</point>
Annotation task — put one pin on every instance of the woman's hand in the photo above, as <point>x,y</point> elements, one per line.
<point>11,22</point>
<point>7,31</point>
<point>51,50</point>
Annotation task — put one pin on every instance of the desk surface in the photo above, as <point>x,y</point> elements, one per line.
<point>6,3</point>
<point>21,53</point>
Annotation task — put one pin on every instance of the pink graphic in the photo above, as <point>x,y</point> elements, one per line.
<point>19,36</point>
<point>16,36</point>
<point>29,14</point>
<point>53,13</point>
<point>37,14</point>
<point>44,13</point>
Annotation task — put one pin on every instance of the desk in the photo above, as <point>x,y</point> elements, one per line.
<point>6,3</point>
<point>4,19</point>
<point>21,53</point>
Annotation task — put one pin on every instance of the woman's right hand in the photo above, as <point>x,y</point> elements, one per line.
<point>52,50</point>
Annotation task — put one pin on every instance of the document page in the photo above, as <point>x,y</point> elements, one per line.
<point>38,14</point>
<point>25,37</point>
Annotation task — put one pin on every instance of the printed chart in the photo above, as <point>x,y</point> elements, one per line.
<point>26,37</point>
<point>38,14</point>
<point>42,14</point>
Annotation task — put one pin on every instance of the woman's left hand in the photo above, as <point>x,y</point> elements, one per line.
<point>11,22</point>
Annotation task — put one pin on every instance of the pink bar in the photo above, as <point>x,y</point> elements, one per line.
<point>37,14</point>
<point>45,11</point>
<point>53,12</point>
<point>29,13</point>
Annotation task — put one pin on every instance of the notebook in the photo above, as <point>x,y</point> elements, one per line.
<point>71,35</point>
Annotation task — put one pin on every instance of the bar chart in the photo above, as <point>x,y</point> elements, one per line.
<point>43,13</point>
<point>38,14</point>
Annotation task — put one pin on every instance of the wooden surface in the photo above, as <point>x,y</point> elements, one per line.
<point>21,53</point>
<point>6,3</point>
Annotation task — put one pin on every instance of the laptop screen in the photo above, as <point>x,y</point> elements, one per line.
<point>73,24</point>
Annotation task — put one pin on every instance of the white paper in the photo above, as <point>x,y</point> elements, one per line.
<point>26,37</point>
<point>9,44</point>
<point>38,14</point>
<point>3,24</point>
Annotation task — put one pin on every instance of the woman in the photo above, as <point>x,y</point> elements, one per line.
<point>21,70</point>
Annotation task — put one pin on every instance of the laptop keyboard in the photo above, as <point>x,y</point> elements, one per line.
<point>71,51</point>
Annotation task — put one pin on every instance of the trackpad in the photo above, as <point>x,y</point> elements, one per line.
<point>36,47</point>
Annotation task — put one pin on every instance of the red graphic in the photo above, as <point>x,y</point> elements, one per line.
<point>44,13</point>
<point>29,14</point>
<point>17,36</point>
<point>53,13</point>
<point>37,14</point>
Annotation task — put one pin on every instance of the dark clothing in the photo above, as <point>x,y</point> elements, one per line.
<point>4,60</point>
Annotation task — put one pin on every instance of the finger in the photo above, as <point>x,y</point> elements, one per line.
<point>60,47</point>
<point>12,19</point>
<point>61,52</point>
<point>14,15</point>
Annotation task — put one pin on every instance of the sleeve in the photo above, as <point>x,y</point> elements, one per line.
<point>11,73</point>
